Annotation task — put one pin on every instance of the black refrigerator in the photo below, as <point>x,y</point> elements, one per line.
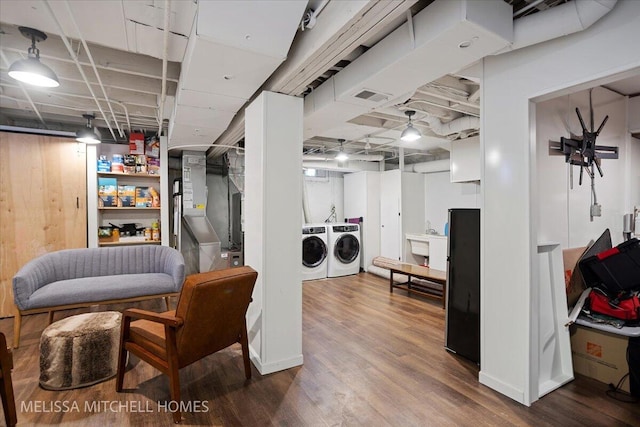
<point>462,327</point>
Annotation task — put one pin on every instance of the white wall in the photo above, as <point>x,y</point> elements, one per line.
<point>563,212</point>
<point>509,181</point>
<point>322,193</point>
<point>441,195</point>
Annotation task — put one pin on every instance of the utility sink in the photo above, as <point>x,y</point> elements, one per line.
<point>431,246</point>
<point>420,243</point>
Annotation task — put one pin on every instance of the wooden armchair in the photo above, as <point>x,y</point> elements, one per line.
<point>209,317</point>
<point>6,387</point>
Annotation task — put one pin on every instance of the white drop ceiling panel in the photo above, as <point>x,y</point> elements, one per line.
<point>150,41</point>
<point>200,99</point>
<point>203,117</point>
<point>197,135</point>
<point>100,22</point>
<point>215,68</point>
<point>151,13</point>
<point>257,26</point>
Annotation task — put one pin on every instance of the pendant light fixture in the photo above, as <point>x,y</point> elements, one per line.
<point>410,133</point>
<point>341,156</point>
<point>31,70</point>
<point>86,134</point>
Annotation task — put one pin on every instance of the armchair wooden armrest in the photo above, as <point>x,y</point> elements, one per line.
<point>164,318</point>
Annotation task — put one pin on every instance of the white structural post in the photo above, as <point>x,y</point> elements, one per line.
<point>273,227</point>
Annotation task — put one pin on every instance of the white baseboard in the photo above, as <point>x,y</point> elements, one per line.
<point>271,367</point>
<point>503,388</point>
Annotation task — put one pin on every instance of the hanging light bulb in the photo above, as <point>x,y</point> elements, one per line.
<point>410,133</point>
<point>86,134</point>
<point>31,70</point>
<point>341,156</point>
<point>367,146</point>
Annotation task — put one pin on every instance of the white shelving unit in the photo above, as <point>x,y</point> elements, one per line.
<point>103,216</point>
<point>548,324</point>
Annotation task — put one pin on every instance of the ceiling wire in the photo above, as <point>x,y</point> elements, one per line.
<point>65,40</point>
<point>93,65</point>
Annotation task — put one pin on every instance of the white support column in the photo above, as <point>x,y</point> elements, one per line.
<point>92,199</point>
<point>273,223</point>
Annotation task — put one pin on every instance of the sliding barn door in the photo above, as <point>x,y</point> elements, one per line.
<point>43,191</point>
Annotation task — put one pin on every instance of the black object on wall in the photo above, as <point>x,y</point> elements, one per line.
<point>462,328</point>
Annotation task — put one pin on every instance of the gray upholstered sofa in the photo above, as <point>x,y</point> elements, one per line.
<point>83,277</point>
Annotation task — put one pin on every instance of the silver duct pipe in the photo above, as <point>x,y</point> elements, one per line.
<point>429,167</point>
<point>331,157</point>
<point>345,167</point>
<point>556,22</point>
<point>454,126</point>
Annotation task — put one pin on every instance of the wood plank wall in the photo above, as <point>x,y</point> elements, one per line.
<point>43,192</point>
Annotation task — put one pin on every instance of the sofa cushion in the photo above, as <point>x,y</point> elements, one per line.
<point>100,288</point>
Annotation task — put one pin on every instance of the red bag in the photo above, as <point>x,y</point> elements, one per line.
<point>625,307</point>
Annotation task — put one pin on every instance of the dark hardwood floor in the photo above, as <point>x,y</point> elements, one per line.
<point>370,358</point>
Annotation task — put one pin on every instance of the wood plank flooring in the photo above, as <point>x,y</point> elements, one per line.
<point>370,358</point>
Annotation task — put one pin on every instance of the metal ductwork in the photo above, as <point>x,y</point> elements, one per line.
<point>457,32</point>
<point>429,167</point>
<point>454,126</point>
<point>558,21</point>
<point>345,167</point>
<point>330,157</point>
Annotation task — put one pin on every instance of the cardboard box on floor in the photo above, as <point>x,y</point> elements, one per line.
<point>600,355</point>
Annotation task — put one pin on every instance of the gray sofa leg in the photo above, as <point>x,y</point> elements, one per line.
<point>166,301</point>
<point>51,317</point>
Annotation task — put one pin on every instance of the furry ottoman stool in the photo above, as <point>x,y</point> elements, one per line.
<point>80,350</point>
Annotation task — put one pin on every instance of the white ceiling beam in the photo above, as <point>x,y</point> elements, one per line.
<point>109,59</point>
<point>66,71</point>
<point>340,27</point>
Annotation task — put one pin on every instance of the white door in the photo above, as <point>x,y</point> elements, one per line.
<point>390,221</point>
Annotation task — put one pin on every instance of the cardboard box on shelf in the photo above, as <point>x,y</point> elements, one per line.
<point>152,147</point>
<point>107,192</point>
<point>143,197</point>
<point>600,355</point>
<point>104,165</point>
<point>136,143</point>
<point>127,196</point>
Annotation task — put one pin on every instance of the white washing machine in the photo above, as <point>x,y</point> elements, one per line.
<point>344,249</point>
<point>314,251</point>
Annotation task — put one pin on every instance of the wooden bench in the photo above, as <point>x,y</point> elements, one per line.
<point>435,281</point>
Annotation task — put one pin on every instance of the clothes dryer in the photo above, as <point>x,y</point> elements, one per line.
<point>314,251</point>
<point>344,247</point>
